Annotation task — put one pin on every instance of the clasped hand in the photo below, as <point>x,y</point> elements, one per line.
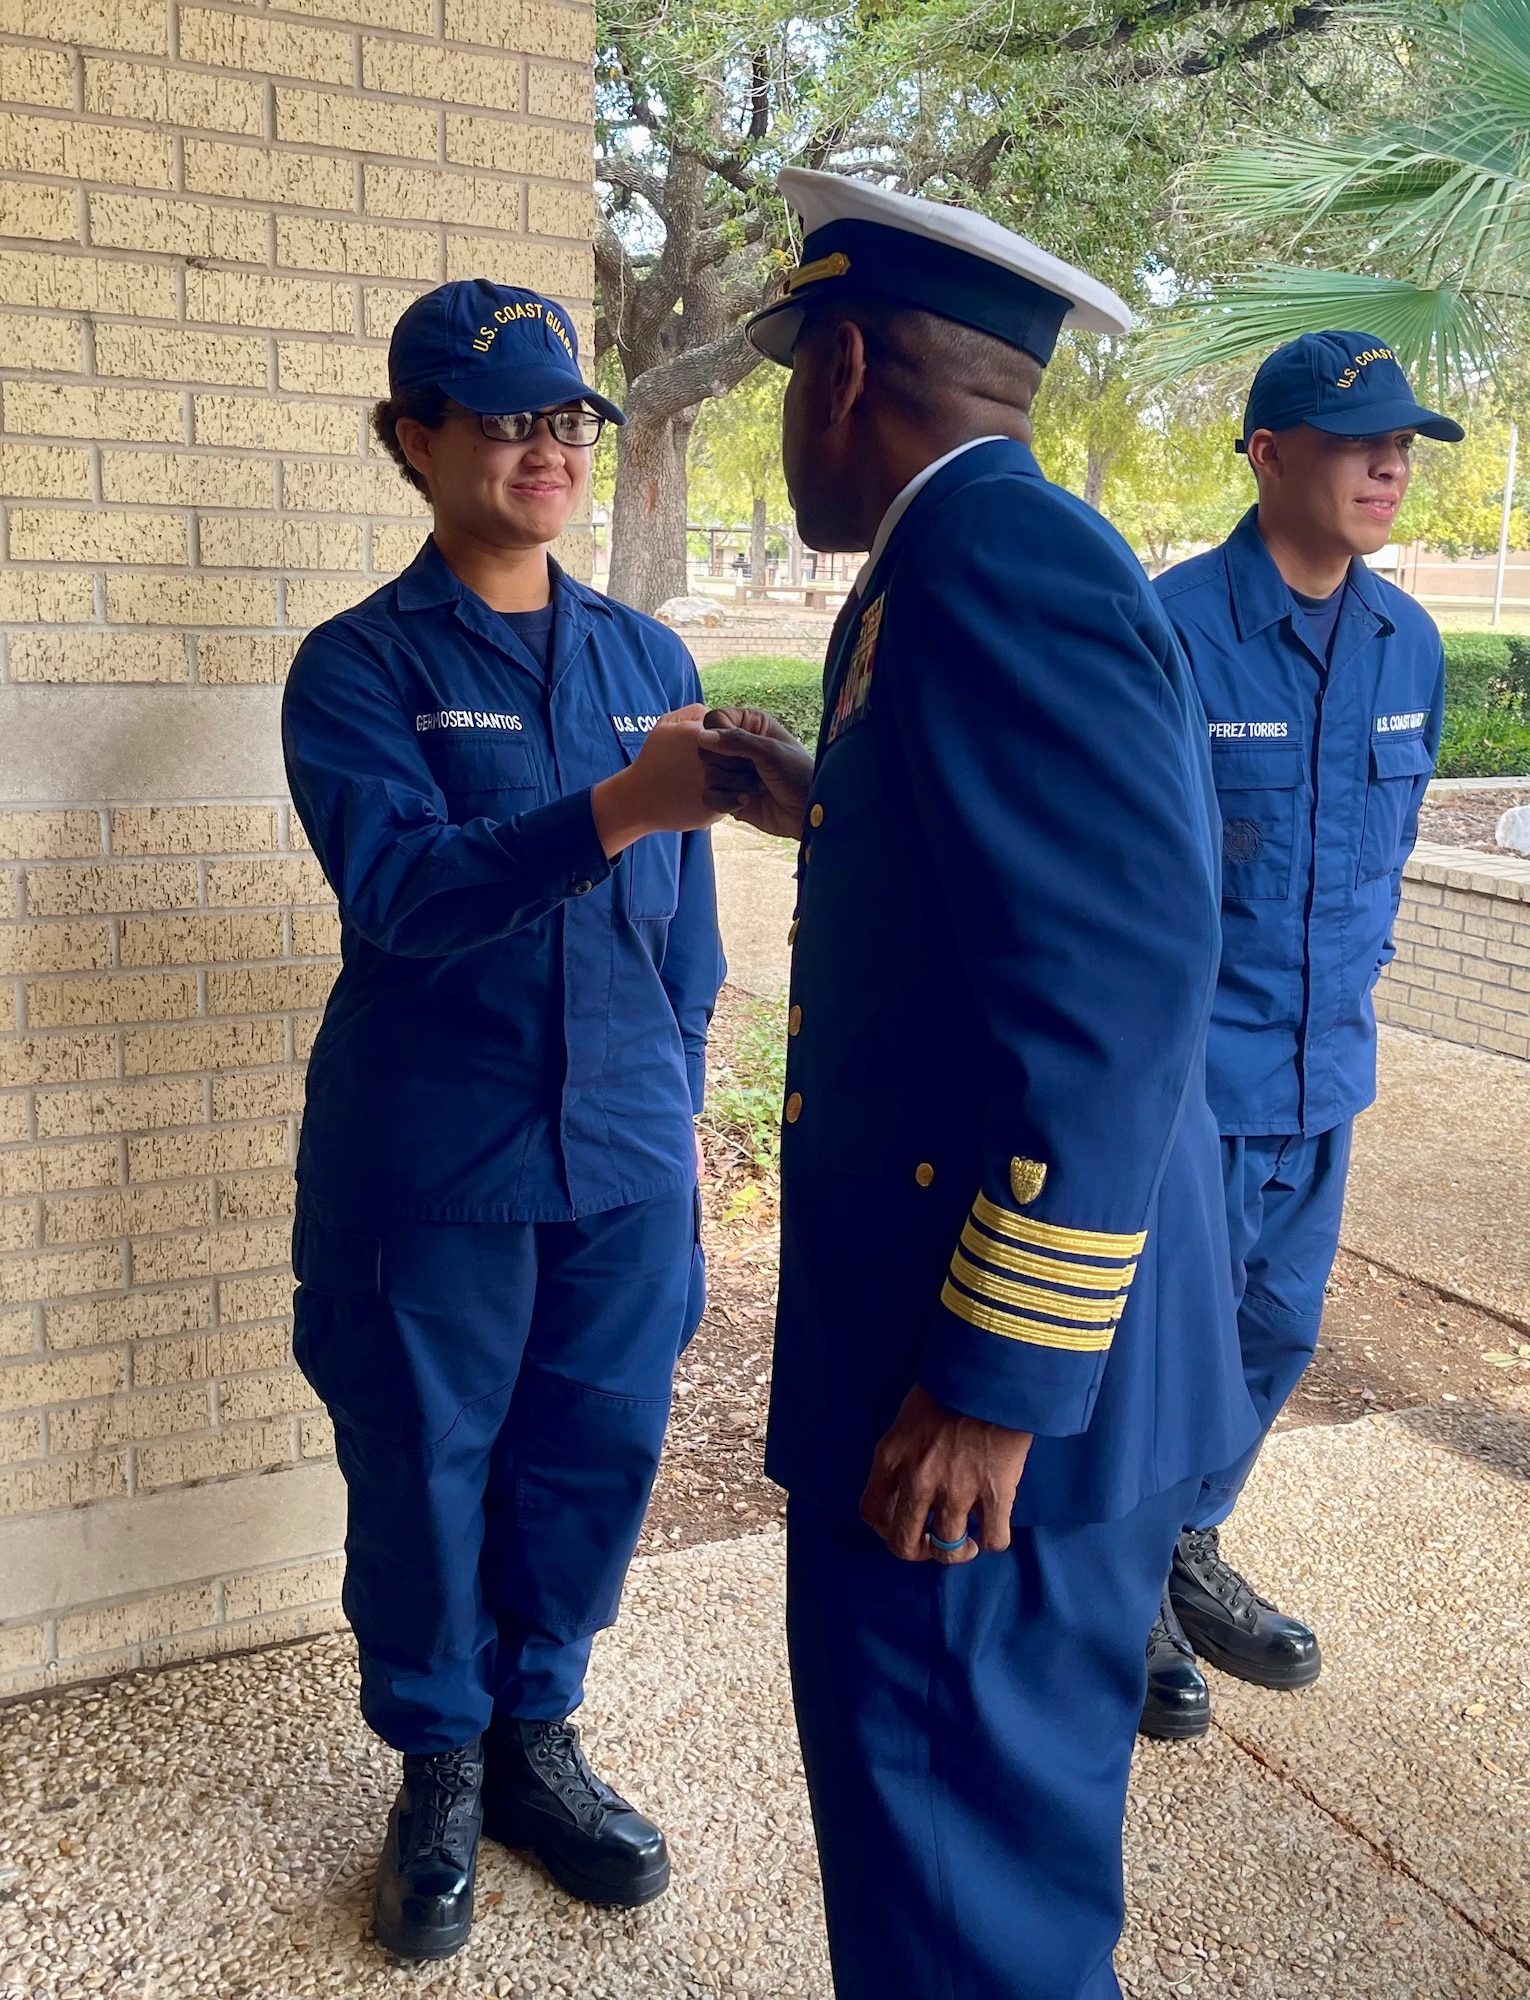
<point>695,767</point>
<point>756,770</point>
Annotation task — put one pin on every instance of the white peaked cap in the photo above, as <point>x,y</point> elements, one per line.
<point>824,198</point>
<point>953,236</point>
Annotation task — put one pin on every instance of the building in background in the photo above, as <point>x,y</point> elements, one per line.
<point>210,217</point>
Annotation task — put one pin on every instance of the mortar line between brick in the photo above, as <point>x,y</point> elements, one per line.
<point>1386,1857</point>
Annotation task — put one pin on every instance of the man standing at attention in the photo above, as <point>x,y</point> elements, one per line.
<point>1006,1348</point>
<point>497,1245</point>
<point>1324,687</point>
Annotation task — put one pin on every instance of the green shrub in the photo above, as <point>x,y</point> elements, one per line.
<point>1518,676</point>
<point>744,1085</point>
<point>1479,667</point>
<point>1490,740</point>
<point>791,689</point>
<point>1487,693</point>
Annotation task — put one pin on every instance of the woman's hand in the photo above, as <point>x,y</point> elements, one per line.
<point>663,790</point>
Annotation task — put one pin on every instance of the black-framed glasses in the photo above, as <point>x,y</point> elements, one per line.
<point>567,426</point>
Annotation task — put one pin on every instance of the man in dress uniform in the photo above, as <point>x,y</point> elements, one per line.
<point>497,1244</point>
<point>1006,1349</point>
<point>1324,686</point>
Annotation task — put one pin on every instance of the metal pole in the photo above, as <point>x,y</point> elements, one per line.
<point>1503,529</point>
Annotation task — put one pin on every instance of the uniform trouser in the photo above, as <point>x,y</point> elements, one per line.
<point>499,1393</point>
<point>1285,1197</point>
<point>967,1734</point>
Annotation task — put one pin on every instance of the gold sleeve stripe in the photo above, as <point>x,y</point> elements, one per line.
<point>1052,1235</point>
<point>1085,1312</point>
<point>1016,1326</point>
<point>1031,1264</point>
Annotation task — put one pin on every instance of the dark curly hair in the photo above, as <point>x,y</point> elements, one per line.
<point>426,406</point>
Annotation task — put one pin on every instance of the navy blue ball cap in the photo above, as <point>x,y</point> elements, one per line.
<point>1349,384</point>
<point>493,348</point>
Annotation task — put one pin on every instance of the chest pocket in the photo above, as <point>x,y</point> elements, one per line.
<point>485,780</point>
<point>1396,766</point>
<point>652,864</point>
<point>1257,791</point>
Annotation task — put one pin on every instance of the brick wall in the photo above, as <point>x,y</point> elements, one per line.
<point>1462,969</point>
<point>210,217</point>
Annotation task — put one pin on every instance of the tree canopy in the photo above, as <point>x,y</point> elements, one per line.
<point>1407,215</point>
<point>1061,118</point>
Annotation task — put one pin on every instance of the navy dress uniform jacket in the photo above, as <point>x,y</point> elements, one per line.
<point>518,1031</point>
<point>1000,1176</point>
<point>1320,773</point>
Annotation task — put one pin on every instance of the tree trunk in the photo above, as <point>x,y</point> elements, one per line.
<point>648,512</point>
<point>1096,469</point>
<point>793,554</point>
<point>757,541</point>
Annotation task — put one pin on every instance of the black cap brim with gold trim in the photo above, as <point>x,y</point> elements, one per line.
<point>925,254</point>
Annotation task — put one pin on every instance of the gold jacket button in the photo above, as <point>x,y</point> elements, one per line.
<point>794,1107</point>
<point>791,932</point>
<point>794,1021</point>
<point>924,1173</point>
<point>815,817</point>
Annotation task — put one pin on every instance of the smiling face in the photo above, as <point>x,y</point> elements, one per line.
<point>501,496</point>
<point>1337,495</point>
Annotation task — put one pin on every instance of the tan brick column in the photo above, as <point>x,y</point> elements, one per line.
<point>210,217</point>
<point>1462,969</point>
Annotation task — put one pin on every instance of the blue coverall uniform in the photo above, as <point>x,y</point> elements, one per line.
<point>1000,1180</point>
<point>497,1244</point>
<point>1321,766</point>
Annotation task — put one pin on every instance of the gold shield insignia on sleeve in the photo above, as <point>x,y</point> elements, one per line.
<point>1026,1179</point>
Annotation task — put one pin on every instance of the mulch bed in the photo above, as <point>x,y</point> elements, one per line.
<point>1388,1343</point>
<point>1468,819</point>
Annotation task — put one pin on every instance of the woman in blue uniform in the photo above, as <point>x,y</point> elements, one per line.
<point>497,1245</point>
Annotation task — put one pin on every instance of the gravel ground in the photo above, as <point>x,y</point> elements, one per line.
<point>209,1832</point>
<point>1468,819</point>
<point>1390,1343</point>
<point>1403,1540</point>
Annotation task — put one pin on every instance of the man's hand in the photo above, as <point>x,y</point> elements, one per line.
<point>662,791</point>
<point>932,1471</point>
<point>760,773</point>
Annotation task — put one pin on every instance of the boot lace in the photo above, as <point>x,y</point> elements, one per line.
<point>565,1770</point>
<point>1201,1552</point>
<point>1167,1630</point>
<point>443,1790</point>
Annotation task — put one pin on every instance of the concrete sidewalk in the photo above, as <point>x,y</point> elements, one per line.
<point>756,894</point>
<point>1440,1187</point>
<point>209,1833</point>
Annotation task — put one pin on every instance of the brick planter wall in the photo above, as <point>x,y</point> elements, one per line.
<point>210,217</point>
<point>1462,968</point>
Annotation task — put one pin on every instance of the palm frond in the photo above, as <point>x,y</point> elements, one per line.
<point>1453,190</point>
<point>1438,332</point>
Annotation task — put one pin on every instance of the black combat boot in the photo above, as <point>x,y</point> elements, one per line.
<point>539,1792</point>
<point>423,1906</point>
<point>1178,1704</point>
<point>1231,1625</point>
